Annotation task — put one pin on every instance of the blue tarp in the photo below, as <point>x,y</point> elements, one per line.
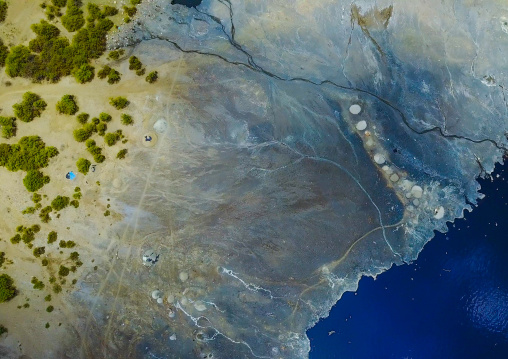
<point>70,175</point>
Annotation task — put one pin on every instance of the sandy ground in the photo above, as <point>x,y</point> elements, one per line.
<point>87,225</point>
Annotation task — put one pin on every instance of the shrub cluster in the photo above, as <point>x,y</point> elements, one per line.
<point>112,137</point>
<point>8,125</point>
<point>134,63</point>
<point>35,180</point>
<point>130,11</point>
<point>127,119</point>
<point>30,153</point>
<point>152,77</point>
<point>121,154</point>
<point>85,73</point>
<point>52,237</point>
<point>44,214</point>
<point>60,202</point>
<point>113,75</point>
<point>115,54</point>
<point>105,117</point>
<point>67,244</point>
<point>3,10</point>
<point>7,288</point>
<point>38,284</point>
<point>67,105</point>
<point>119,102</point>
<point>95,151</point>
<point>50,56</point>
<point>31,107</point>
<point>2,258</point>
<point>83,165</point>
<point>4,51</point>
<point>83,118</point>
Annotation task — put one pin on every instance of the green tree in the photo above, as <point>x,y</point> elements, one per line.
<point>7,288</point>
<point>32,106</point>
<point>83,118</point>
<point>67,105</point>
<point>110,11</point>
<point>8,125</point>
<point>152,77</point>
<point>113,77</point>
<point>73,19</point>
<point>3,10</point>
<point>111,138</point>
<point>83,165</point>
<point>4,51</point>
<point>35,180</point>
<point>134,63</point>
<point>119,102</point>
<point>63,271</point>
<point>127,119</point>
<point>59,3</point>
<point>85,73</point>
<point>104,117</point>
<point>38,251</point>
<point>82,134</point>
<point>52,237</point>
<point>60,202</point>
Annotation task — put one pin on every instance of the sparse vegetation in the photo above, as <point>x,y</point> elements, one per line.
<point>38,251</point>
<point>121,154</point>
<point>85,73</point>
<point>74,203</point>
<point>37,284</point>
<point>119,102</point>
<point>127,119</point>
<point>32,106</point>
<point>135,63</point>
<point>8,125</point>
<point>115,54</point>
<point>4,51</point>
<point>57,288</point>
<point>83,165</point>
<point>104,117</point>
<point>2,258</point>
<point>67,244</point>
<point>7,288</point>
<point>111,138</point>
<point>67,105</point>
<point>44,214</point>
<point>63,271</point>
<point>130,11</point>
<point>60,202</point>
<point>3,10</point>
<point>52,237</point>
<point>110,11</point>
<point>152,77</point>
<point>83,118</point>
<point>47,298</point>
<point>50,308</point>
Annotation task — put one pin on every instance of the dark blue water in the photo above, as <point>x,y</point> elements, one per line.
<point>188,3</point>
<point>451,303</point>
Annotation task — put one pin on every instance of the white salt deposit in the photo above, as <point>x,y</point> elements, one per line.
<point>394,177</point>
<point>379,158</point>
<point>416,202</point>
<point>355,109</point>
<point>417,191</point>
<point>361,125</point>
<point>439,212</point>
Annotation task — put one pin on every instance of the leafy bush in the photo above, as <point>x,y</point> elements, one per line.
<point>47,298</point>
<point>83,165</point>
<point>101,128</point>
<point>67,105</point>
<point>74,256</point>
<point>3,10</point>
<point>38,251</point>
<point>52,237</point>
<point>52,11</point>
<point>83,118</point>
<point>44,214</point>
<point>119,102</point>
<point>68,244</point>
<point>4,51</point>
<point>94,12</point>
<point>37,283</point>
<point>105,117</point>
<point>99,158</point>
<point>8,126</point>
<point>7,288</point>
<point>63,271</point>
<point>81,134</point>
<point>110,11</point>
<point>115,54</point>
<point>111,138</point>
<point>130,11</point>
<point>31,107</point>
<point>74,203</point>
<point>85,73</point>
<point>141,72</point>
<point>134,63</point>
<point>135,2</point>
<point>50,308</point>
<point>73,19</point>
<point>60,202</point>
<point>2,258</point>
<point>104,72</point>
<point>127,119</point>
<point>114,77</point>
<point>35,180</point>
<point>152,77</point>
<point>59,3</point>
<point>16,239</point>
<point>57,288</point>
<point>90,143</point>
<point>121,154</point>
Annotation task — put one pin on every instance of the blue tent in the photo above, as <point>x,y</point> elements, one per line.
<point>70,175</point>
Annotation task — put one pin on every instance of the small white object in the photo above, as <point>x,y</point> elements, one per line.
<point>361,125</point>
<point>416,202</point>
<point>172,337</point>
<point>184,301</point>
<point>156,294</point>
<point>171,313</point>
<point>379,158</point>
<point>171,298</point>
<point>159,300</point>
<point>355,109</point>
<point>394,177</point>
<point>184,276</point>
<point>439,212</point>
<point>417,191</point>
